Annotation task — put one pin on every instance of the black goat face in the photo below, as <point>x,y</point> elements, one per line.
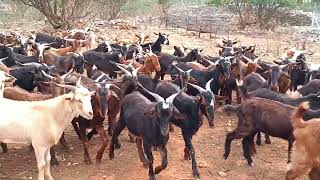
<point>274,78</point>
<point>178,52</point>
<point>79,64</point>
<point>163,38</point>
<point>208,106</point>
<point>225,64</point>
<point>164,112</point>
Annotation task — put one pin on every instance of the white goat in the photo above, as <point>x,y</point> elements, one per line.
<point>41,123</point>
<point>4,77</point>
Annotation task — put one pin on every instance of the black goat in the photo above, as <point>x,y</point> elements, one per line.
<point>156,46</point>
<point>150,123</point>
<point>102,61</point>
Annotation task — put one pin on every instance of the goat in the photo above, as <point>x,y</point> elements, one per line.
<point>28,119</point>
<point>63,64</point>
<point>75,47</point>
<point>178,52</point>
<point>55,42</point>
<point>156,46</point>
<point>305,155</point>
<point>149,122</point>
<point>167,59</point>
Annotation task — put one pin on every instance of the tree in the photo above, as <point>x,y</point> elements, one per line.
<point>61,13</point>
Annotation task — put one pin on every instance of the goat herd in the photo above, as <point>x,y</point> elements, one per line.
<point>53,66</point>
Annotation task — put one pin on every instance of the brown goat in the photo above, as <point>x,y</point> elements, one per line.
<point>18,94</point>
<point>306,148</point>
<point>75,47</point>
<point>258,114</point>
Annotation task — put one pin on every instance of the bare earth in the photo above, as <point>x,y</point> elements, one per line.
<point>269,162</point>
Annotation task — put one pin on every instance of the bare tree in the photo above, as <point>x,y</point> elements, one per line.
<point>62,13</point>
<point>110,9</point>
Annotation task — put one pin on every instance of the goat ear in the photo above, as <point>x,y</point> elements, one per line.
<point>177,114</point>
<point>175,47</point>
<point>69,97</point>
<point>151,114</point>
<point>220,52</point>
<point>114,95</point>
<point>199,99</point>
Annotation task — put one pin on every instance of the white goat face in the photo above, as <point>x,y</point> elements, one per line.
<point>83,96</point>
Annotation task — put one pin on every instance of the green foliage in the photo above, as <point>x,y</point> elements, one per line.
<point>219,2</point>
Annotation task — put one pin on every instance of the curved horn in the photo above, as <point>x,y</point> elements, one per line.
<point>72,88</point>
<point>171,98</point>
<point>47,75</point>
<point>189,71</point>
<point>156,96</point>
<point>67,74</point>
<point>208,88</point>
<point>70,40</point>
<point>210,62</point>
<point>135,72</point>
<point>78,84</point>
<point>200,89</point>
<point>127,73</point>
<point>180,70</point>
<point>3,59</point>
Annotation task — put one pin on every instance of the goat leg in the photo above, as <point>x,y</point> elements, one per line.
<point>258,142</point>
<point>227,145</point>
<point>76,128</point>
<point>290,144</point>
<point>148,151</point>
<point>53,160</point>
<point>314,174</point>
<point>188,143</point>
<point>141,153</point>
<point>104,139</point>
<point>164,157</point>
<point>63,142</point>
<point>84,140</point>
<point>246,141</point>
<point>112,122</point>
<point>119,127</point>
<point>4,147</point>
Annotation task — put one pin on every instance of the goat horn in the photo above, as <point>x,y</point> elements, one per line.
<point>248,59</point>
<point>47,75</point>
<point>189,71</point>
<point>156,96</point>
<point>78,84</point>
<point>67,74</point>
<point>3,59</point>
<point>208,88</point>
<point>210,62</point>
<point>200,89</point>
<point>127,73</point>
<point>72,88</point>
<point>170,99</point>
<point>180,70</point>
<point>135,72</point>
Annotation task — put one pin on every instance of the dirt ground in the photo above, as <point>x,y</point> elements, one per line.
<point>269,162</point>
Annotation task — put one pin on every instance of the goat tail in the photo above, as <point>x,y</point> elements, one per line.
<point>296,118</point>
<point>229,109</point>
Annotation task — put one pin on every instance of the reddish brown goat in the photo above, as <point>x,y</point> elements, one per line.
<point>305,155</point>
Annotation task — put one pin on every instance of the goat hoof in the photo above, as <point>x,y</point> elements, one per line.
<point>251,164</point>
<point>117,146</point>
<point>54,162</point>
<point>196,175</point>
<point>151,177</point>
<point>111,156</point>
<point>225,156</point>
